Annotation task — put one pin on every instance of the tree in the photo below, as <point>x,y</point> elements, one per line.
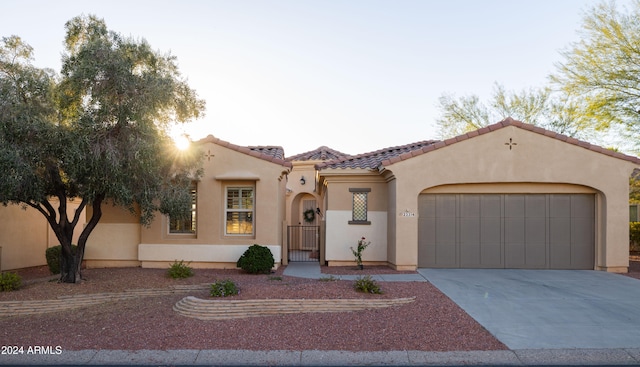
<point>97,133</point>
<point>539,107</point>
<point>601,72</point>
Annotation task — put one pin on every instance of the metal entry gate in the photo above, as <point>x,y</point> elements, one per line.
<point>303,243</point>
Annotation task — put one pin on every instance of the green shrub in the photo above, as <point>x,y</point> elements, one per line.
<point>634,236</point>
<point>329,278</point>
<point>53,256</point>
<point>367,285</point>
<point>10,282</point>
<point>223,288</point>
<point>257,259</point>
<point>180,270</point>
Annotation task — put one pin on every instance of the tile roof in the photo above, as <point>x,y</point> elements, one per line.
<point>373,160</point>
<point>322,153</point>
<point>510,122</point>
<point>272,154</point>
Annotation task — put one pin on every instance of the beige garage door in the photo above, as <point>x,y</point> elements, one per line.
<point>530,231</point>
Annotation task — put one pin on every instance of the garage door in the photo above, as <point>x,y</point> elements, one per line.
<point>531,231</point>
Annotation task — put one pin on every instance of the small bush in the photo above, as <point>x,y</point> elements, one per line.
<point>10,282</point>
<point>53,256</point>
<point>257,259</point>
<point>367,285</point>
<point>180,270</point>
<point>275,278</point>
<point>329,278</point>
<point>223,288</point>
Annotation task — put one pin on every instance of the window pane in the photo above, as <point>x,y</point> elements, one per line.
<point>233,198</point>
<point>187,225</point>
<point>239,222</point>
<point>360,206</point>
<point>247,198</point>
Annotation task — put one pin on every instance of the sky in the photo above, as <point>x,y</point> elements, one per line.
<point>354,75</point>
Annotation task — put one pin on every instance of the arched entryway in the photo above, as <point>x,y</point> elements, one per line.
<point>303,232</point>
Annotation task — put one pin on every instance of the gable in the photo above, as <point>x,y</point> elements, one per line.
<point>509,122</point>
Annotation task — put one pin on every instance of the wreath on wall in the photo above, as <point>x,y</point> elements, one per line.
<point>309,215</point>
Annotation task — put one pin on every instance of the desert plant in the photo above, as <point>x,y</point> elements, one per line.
<point>257,259</point>
<point>357,252</point>
<point>367,285</point>
<point>223,288</point>
<point>279,278</point>
<point>10,282</point>
<point>329,278</point>
<point>53,255</point>
<point>179,270</point>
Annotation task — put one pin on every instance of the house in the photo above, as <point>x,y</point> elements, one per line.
<point>510,195</point>
<point>238,202</point>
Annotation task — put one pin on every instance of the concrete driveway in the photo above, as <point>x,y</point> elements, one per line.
<point>547,309</point>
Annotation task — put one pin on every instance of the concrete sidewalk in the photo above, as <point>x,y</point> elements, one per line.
<point>311,270</point>
<point>628,357</point>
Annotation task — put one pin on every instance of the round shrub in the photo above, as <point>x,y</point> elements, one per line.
<point>256,260</point>
<point>53,256</point>
<point>223,288</point>
<point>179,270</point>
<point>367,285</point>
<point>10,282</point>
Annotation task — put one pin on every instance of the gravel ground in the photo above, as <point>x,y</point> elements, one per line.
<point>431,323</point>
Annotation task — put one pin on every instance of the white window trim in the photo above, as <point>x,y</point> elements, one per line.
<point>252,211</point>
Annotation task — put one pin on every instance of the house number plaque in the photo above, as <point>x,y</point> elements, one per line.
<point>407,213</point>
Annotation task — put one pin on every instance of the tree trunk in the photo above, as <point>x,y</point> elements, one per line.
<point>71,263</point>
<point>69,269</point>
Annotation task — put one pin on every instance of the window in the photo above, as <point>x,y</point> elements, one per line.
<point>239,211</point>
<point>187,225</point>
<point>359,206</point>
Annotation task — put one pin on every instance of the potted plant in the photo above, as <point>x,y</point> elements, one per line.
<point>357,252</point>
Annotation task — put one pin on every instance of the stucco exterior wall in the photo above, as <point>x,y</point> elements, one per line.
<point>26,235</point>
<point>120,239</point>
<point>340,234</point>
<point>487,159</point>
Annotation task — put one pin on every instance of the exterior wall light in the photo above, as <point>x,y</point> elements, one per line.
<point>302,180</point>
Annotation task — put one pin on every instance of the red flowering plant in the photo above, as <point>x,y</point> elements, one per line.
<point>357,252</point>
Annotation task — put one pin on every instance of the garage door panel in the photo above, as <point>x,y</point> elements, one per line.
<point>511,230</point>
<point>560,256</point>
<point>427,241</point>
<point>536,230</point>
<point>470,256</point>
<point>514,255</point>
<point>536,205</point>
<point>491,230</point>
<point>536,255</point>
<point>514,230</point>
<point>514,206</point>
<point>582,206</point>
<point>426,206</point>
<point>559,206</point>
<point>470,206</point>
<point>446,206</point>
<point>559,231</point>
<point>446,255</point>
<point>491,255</point>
